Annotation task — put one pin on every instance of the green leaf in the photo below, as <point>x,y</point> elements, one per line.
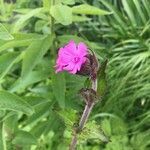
<point>35,76</point>
<point>47,4</point>
<point>59,88</point>
<point>36,101</point>
<point>2,113</point>
<point>23,138</point>
<point>6,59</point>
<point>19,40</point>
<point>93,131</point>
<point>65,38</point>
<point>116,15</point>
<point>10,101</point>
<point>1,138</point>
<point>4,34</point>
<point>101,88</point>
<point>141,140</point>
<point>6,62</point>
<point>68,116</point>
<point>21,21</point>
<point>119,142</point>
<point>77,18</point>
<point>140,11</point>
<point>68,2</point>
<point>62,14</point>
<point>87,83</point>
<point>129,11</point>
<point>10,124</point>
<point>106,126</point>
<point>41,111</point>
<point>34,53</point>
<point>89,10</point>
<point>40,25</point>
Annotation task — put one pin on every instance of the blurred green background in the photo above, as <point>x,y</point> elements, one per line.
<point>38,108</point>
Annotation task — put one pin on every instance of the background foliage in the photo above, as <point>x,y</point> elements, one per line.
<point>38,107</point>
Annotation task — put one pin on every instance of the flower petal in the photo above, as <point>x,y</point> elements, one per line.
<point>58,69</point>
<point>76,68</point>
<point>69,67</point>
<point>71,48</point>
<point>63,59</point>
<point>82,49</point>
<point>71,57</point>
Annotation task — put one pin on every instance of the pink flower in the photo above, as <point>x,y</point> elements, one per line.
<point>71,57</point>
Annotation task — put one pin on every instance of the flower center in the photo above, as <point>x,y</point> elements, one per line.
<point>76,59</point>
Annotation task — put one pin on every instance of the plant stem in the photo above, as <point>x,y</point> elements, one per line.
<point>84,118</point>
<point>73,142</point>
<point>85,115</point>
<point>94,85</point>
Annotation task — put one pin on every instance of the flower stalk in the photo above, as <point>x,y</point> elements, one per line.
<point>87,110</point>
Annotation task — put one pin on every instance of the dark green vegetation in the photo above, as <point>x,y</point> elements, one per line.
<point>38,108</point>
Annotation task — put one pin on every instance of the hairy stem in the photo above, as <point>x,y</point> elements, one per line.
<point>84,118</point>
<point>85,115</point>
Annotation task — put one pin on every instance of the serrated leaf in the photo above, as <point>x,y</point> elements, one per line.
<point>34,53</point>
<point>93,131</point>
<point>12,102</point>
<point>4,34</point>
<point>62,14</point>
<point>89,10</point>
